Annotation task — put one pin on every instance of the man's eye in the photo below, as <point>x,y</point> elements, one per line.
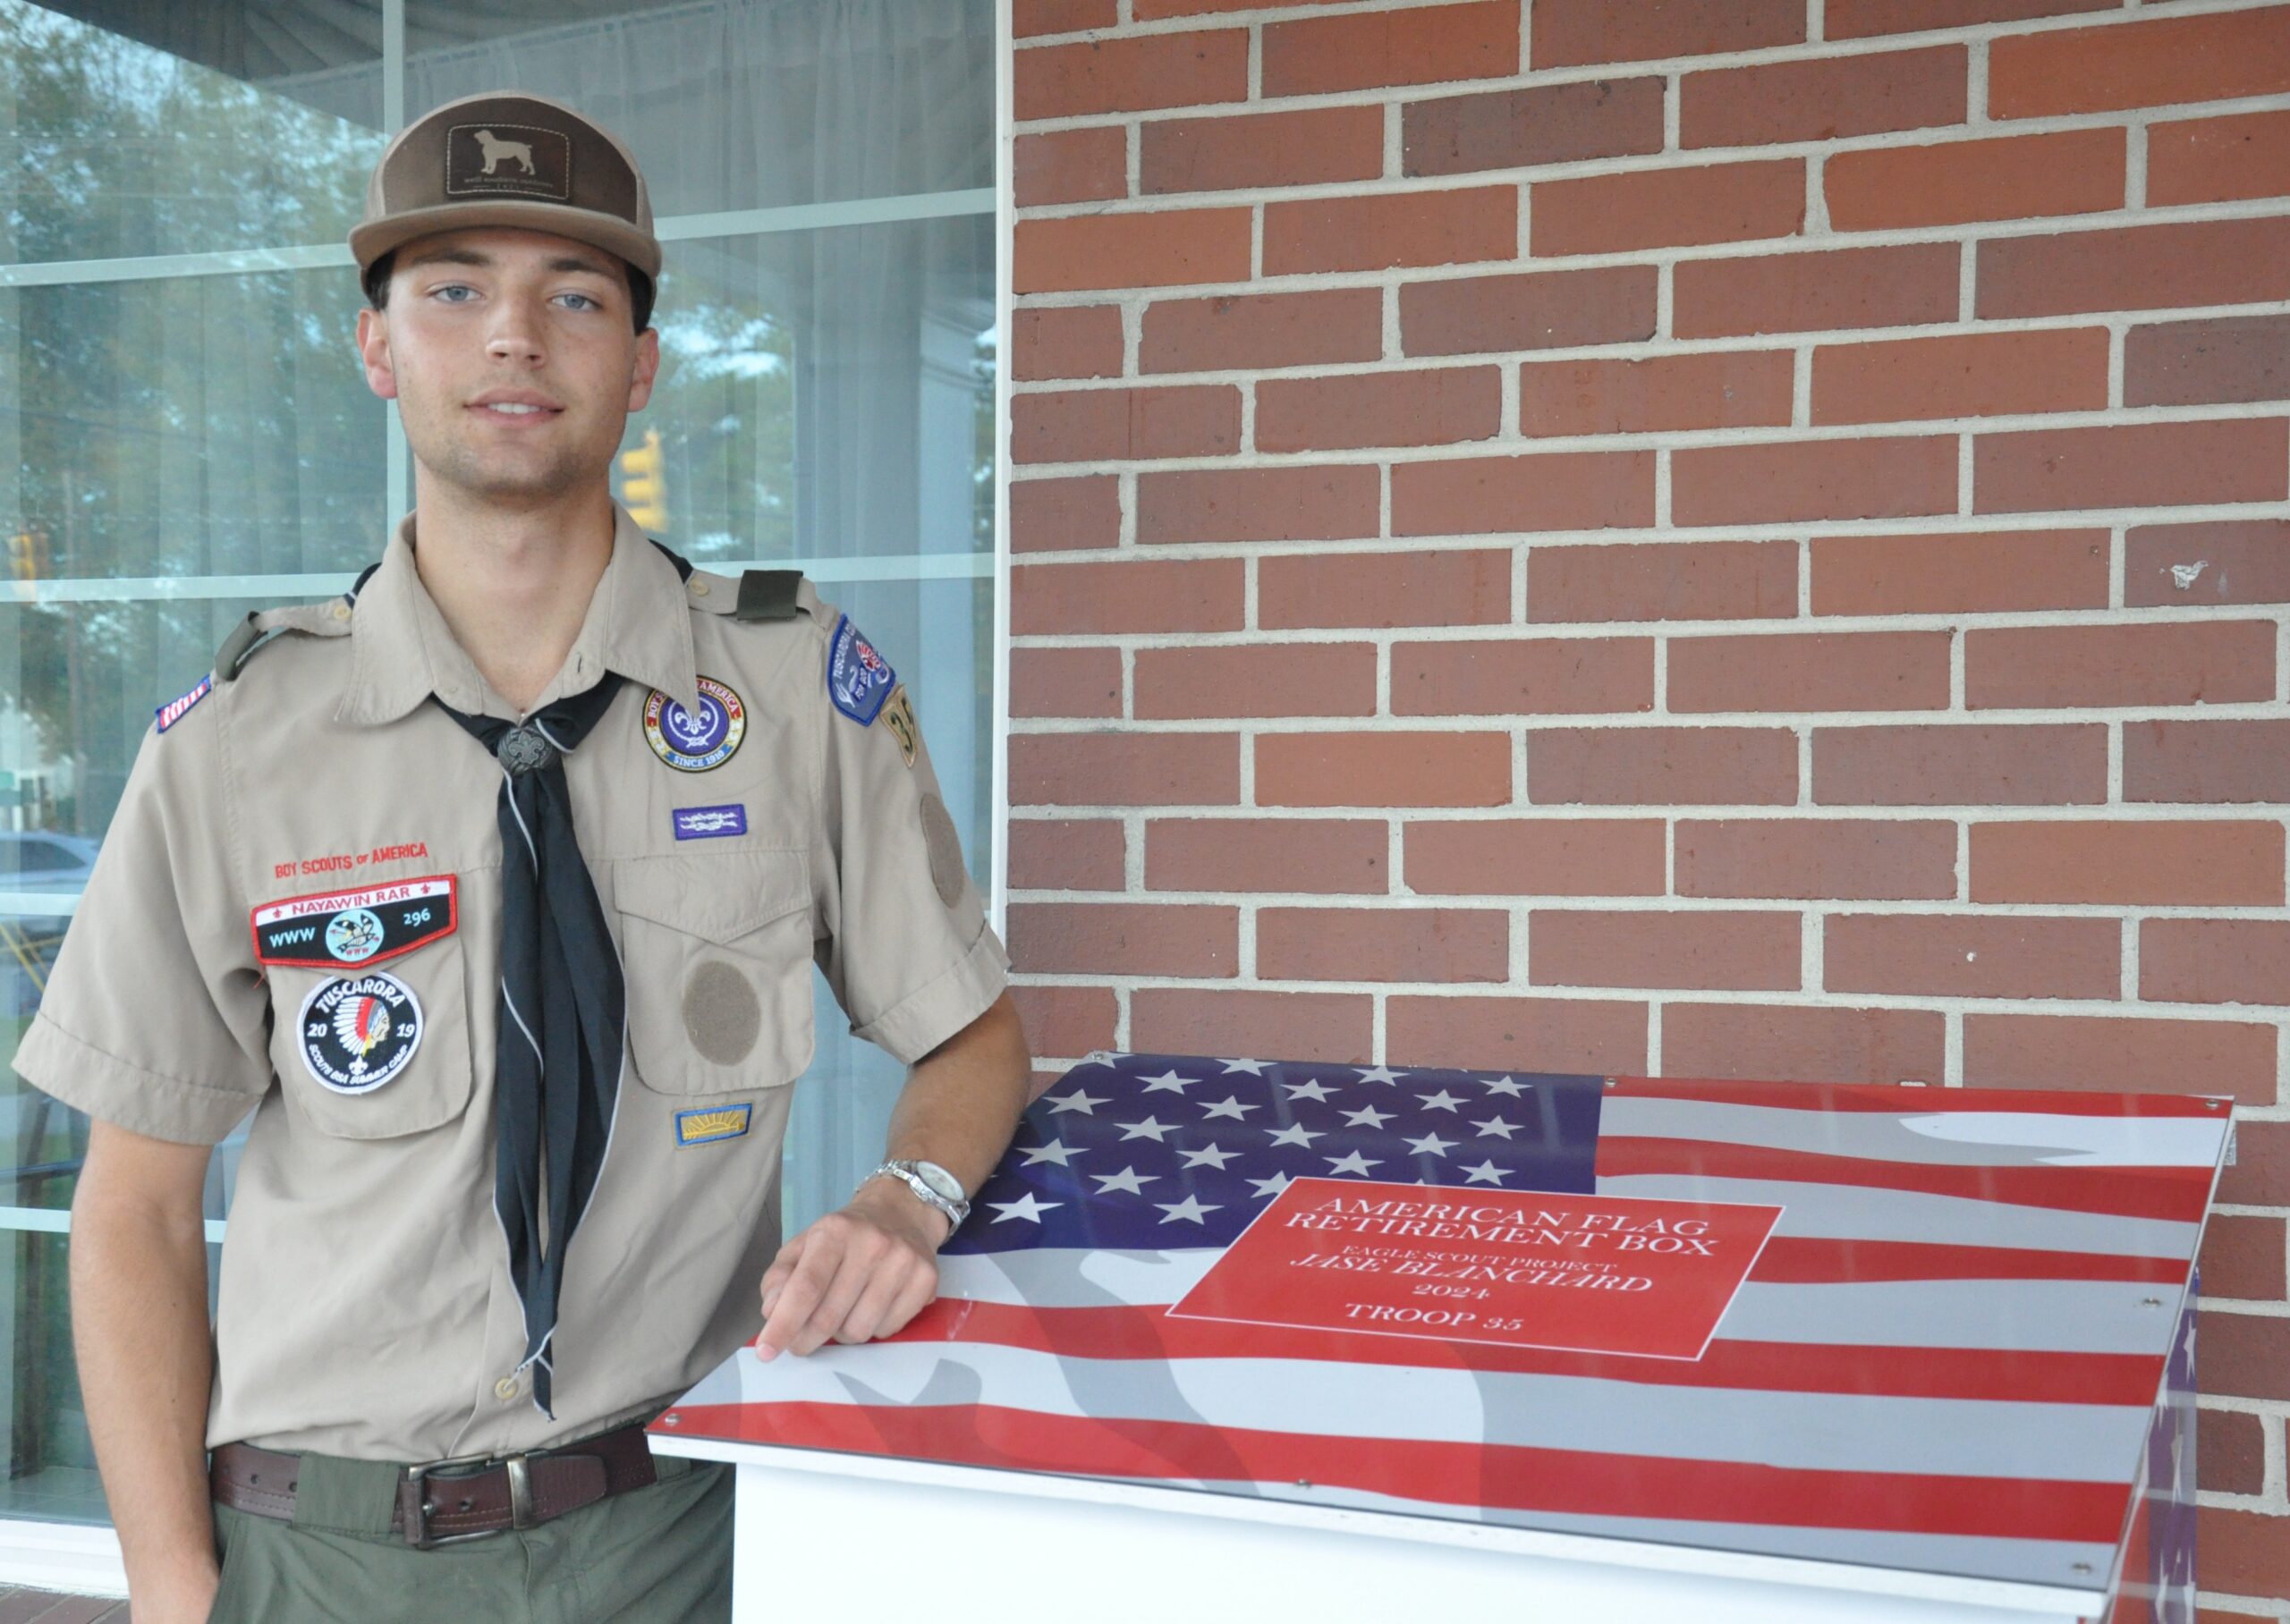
<point>586,302</point>
<point>451,288</point>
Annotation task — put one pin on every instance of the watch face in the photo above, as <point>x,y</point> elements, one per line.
<point>938,1178</point>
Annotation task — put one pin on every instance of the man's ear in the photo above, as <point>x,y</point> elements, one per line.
<point>374,352</point>
<point>644,370</point>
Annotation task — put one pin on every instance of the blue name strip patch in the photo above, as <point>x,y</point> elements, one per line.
<point>711,822</point>
<point>713,1122</point>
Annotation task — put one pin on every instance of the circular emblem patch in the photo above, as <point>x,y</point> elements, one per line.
<point>353,935</point>
<point>360,1031</point>
<point>693,744</point>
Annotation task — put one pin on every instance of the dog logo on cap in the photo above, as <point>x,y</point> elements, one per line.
<point>498,151</point>
<point>520,160</point>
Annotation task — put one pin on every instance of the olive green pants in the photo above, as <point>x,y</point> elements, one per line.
<point>657,1555</point>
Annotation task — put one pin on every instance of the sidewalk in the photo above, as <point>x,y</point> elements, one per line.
<point>47,1607</point>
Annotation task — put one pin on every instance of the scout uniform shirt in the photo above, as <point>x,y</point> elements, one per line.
<point>297,912</point>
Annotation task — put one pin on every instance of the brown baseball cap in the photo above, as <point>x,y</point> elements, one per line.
<point>508,158</point>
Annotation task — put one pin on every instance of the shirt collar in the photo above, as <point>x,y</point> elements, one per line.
<point>402,650</point>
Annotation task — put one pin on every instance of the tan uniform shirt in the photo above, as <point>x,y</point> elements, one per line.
<point>366,1304</point>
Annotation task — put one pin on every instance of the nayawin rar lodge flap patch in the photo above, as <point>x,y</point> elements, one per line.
<point>694,744</point>
<point>858,678</point>
<point>335,928</point>
<point>357,1033</point>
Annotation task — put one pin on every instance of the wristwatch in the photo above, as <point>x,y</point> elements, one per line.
<point>931,1184</point>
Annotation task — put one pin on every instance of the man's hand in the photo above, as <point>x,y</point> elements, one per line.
<point>188,1599</point>
<point>859,1272</point>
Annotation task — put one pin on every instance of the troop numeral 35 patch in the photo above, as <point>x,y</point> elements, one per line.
<point>898,715</point>
<point>359,1032</point>
<point>333,928</point>
<point>694,744</point>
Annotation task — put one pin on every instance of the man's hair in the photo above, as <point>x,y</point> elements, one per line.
<point>639,288</point>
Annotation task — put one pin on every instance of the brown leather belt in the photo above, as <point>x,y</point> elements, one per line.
<point>447,1501</point>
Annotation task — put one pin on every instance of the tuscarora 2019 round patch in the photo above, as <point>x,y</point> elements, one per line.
<point>360,1031</point>
<point>693,744</point>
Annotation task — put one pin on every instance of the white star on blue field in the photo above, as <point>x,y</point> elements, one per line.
<point>1125,1151</point>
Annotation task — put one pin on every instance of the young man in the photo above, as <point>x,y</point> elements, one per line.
<point>493,888</point>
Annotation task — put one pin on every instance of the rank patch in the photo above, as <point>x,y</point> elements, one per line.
<point>359,1032</point>
<point>709,823</point>
<point>858,678</point>
<point>172,712</point>
<point>898,715</point>
<point>335,928</point>
<point>694,744</point>
<point>713,1122</point>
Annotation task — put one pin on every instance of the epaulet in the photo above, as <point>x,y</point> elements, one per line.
<point>754,594</point>
<point>330,619</point>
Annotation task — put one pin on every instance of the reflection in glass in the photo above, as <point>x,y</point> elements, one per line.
<point>119,138</point>
<point>747,103</point>
<point>828,396</point>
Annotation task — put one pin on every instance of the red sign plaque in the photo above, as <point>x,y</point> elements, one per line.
<point>1583,1273</point>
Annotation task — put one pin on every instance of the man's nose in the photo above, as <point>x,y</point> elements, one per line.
<point>515,333</point>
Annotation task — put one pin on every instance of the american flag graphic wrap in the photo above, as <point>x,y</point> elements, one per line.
<point>1947,1358</point>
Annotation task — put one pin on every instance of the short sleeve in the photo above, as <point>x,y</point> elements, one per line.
<point>154,1017</point>
<point>906,944</point>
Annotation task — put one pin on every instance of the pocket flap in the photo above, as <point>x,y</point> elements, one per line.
<point>722,896</point>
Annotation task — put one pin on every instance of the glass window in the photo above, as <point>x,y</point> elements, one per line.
<point>184,434</point>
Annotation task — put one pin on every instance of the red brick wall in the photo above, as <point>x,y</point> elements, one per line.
<point>1739,538</point>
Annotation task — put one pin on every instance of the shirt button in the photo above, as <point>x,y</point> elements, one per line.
<point>505,1389</point>
<point>342,612</point>
<point>700,588</point>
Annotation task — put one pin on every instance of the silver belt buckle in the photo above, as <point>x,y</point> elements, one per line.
<point>521,1491</point>
<point>520,1496</point>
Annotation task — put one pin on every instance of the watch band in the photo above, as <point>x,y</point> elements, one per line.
<point>904,1171</point>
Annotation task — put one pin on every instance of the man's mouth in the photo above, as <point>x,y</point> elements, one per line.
<point>513,409</point>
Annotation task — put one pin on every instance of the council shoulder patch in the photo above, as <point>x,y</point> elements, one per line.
<point>695,744</point>
<point>174,710</point>
<point>713,1122</point>
<point>336,929</point>
<point>858,678</point>
<point>356,1033</point>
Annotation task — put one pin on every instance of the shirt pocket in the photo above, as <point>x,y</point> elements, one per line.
<point>716,952</point>
<point>406,1021</point>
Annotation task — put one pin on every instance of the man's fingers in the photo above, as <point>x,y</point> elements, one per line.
<point>913,1300</point>
<point>862,1256</point>
<point>890,1282</point>
<point>775,1278</point>
<point>799,1295</point>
